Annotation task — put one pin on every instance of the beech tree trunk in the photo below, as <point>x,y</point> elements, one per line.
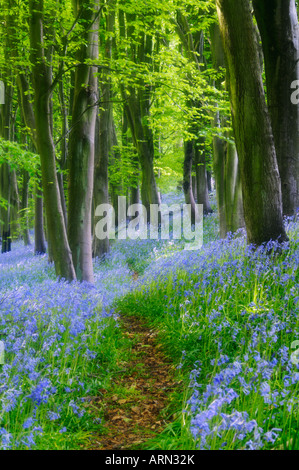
<point>202,191</point>
<point>64,148</point>
<point>39,233</point>
<point>42,81</point>
<point>137,107</point>
<point>5,185</point>
<point>187,184</point>
<point>251,123</point>
<point>25,196</point>
<point>193,43</point>
<point>15,207</point>
<point>278,24</point>
<point>105,134</point>
<point>103,148</point>
<point>115,187</point>
<point>82,144</point>
<point>234,216</point>
<point>225,160</point>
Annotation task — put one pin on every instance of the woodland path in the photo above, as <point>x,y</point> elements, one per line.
<point>137,408</point>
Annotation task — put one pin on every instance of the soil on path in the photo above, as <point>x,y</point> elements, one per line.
<point>137,411</point>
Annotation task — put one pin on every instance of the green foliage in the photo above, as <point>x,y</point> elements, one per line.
<point>19,158</point>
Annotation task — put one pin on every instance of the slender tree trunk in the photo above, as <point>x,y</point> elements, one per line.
<point>25,196</point>
<point>225,161</point>
<point>193,43</point>
<point>115,187</point>
<point>187,185</point>
<point>135,195</point>
<point>105,134</point>
<point>278,24</point>
<point>64,148</point>
<point>6,174</point>
<point>100,194</point>
<point>209,181</point>
<point>194,186</point>
<point>137,107</point>
<point>5,185</point>
<point>201,176</point>
<point>15,206</point>
<point>234,216</point>
<point>251,122</point>
<point>39,234</point>
<point>82,145</point>
<point>144,144</point>
<point>41,73</point>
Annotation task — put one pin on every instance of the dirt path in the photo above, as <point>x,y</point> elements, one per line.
<point>135,410</point>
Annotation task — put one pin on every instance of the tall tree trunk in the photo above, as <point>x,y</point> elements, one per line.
<point>6,132</point>
<point>137,107</point>
<point>39,234</point>
<point>24,204</point>
<point>103,148</point>
<point>187,184</point>
<point>42,83</point>
<point>5,185</point>
<point>82,144</point>
<point>144,144</point>
<point>64,148</point>
<point>115,187</point>
<point>219,152</point>
<point>225,160</point>
<point>193,45</point>
<point>278,24</point>
<point>209,181</point>
<point>105,134</point>
<point>234,217</point>
<point>251,122</point>
<point>15,206</point>
<point>201,176</point>
<point>6,174</point>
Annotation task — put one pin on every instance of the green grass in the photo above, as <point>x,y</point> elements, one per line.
<point>250,295</point>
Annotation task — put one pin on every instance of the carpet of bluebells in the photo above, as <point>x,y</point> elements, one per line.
<point>230,314</point>
<point>56,336</point>
<point>52,331</point>
<point>227,312</point>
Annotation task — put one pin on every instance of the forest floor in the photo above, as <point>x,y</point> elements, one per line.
<point>171,349</point>
<point>136,408</point>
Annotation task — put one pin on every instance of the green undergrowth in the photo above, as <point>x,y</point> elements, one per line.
<point>99,374</point>
<point>237,311</point>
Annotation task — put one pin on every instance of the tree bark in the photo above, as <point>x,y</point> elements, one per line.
<point>39,234</point>
<point>187,184</point>
<point>25,197</point>
<point>225,160</point>
<point>193,43</point>
<point>5,171</point>
<point>278,24</point>
<point>251,123</point>
<point>41,73</point>
<point>5,185</point>
<point>202,191</point>
<point>137,107</point>
<point>82,144</point>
